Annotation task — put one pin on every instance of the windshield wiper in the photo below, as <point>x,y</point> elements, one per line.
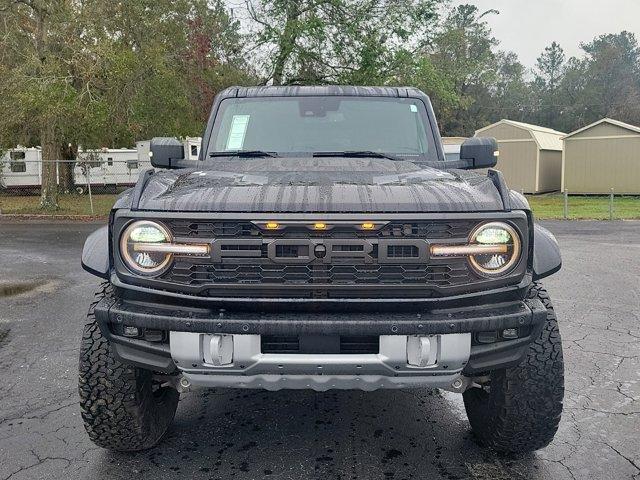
<point>244,153</point>
<point>356,154</point>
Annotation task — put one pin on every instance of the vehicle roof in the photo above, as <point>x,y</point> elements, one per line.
<point>321,90</point>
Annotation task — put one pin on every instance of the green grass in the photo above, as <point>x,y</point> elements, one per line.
<point>69,205</point>
<point>584,207</point>
<point>548,206</point>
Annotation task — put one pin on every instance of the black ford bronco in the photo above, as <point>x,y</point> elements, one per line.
<point>322,241</point>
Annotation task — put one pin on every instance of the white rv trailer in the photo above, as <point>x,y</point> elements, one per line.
<point>108,167</point>
<point>20,168</point>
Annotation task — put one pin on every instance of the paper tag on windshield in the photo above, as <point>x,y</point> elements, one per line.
<point>413,108</point>
<point>238,129</point>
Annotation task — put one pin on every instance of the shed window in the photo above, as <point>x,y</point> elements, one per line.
<point>194,150</point>
<point>132,164</point>
<point>18,164</point>
<point>110,161</point>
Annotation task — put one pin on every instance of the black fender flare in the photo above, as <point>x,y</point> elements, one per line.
<point>546,253</point>
<point>95,253</point>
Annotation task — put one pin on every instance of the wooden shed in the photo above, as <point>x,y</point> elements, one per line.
<point>602,156</point>
<point>530,156</point>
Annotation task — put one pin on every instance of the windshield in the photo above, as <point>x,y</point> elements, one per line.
<point>300,126</point>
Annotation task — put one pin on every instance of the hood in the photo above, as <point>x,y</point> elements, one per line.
<point>306,185</point>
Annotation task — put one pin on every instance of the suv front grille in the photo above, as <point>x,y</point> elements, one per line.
<point>343,261</point>
<point>286,262</point>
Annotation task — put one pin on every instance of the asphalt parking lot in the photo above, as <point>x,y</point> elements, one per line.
<point>243,434</point>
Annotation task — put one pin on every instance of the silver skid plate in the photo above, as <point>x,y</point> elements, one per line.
<point>402,362</point>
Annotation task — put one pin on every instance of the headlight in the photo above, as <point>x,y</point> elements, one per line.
<point>141,247</point>
<point>493,249</point>
<point>501,245</point>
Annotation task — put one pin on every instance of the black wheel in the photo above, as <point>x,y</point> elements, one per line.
<point>123,408</point>
<point>518,409</point>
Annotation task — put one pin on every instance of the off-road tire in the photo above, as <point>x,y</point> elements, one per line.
<point>121,409</point>
<point>519,410</point>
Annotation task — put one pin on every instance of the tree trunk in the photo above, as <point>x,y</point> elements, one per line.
<point>50,155</point>
<point>65,169</point>
<point>287,41</point>
<point>50,147</point>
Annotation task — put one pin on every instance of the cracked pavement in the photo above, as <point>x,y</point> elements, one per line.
<point>245,434</point>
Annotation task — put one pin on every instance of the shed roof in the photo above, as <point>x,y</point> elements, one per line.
<point>546,138</point>
<point>617,123</point>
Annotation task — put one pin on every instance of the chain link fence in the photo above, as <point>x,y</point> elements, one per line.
<point>87,185</point>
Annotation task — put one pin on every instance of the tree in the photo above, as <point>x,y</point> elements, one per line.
<point>548,75</point>
<point>96,73</point>
<point>603,83</point>
<point>338,41</point>
<point>569,109</point>
<point>511,94</point>
<point>213,58</point>
<point>38,83</point>
<point>612,86</point>
<point>463,51</point>
<point>550,67</point>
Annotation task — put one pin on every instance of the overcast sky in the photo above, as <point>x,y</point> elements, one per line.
<point>527,26</point>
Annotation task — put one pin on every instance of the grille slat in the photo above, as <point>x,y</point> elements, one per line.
<point>455,273</point>
<point>359,344</point>
<point>281,344</point>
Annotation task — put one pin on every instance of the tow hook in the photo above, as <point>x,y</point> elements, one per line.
<point>180,383</point>
<point>183,385</point>
<point>459,385</point>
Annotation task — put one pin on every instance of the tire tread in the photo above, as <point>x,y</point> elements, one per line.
<point>118,406</point>
<point>522,410</point>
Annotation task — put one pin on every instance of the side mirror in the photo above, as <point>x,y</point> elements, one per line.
<point>479,152</point>
<point>166,152</point>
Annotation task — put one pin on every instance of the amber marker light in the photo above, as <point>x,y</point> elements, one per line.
<point>319,226</point>
<point>272,225</point>
<point>368,226</point>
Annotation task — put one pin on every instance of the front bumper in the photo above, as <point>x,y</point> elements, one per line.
<point>479,318</point>
<point>387,369</point>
